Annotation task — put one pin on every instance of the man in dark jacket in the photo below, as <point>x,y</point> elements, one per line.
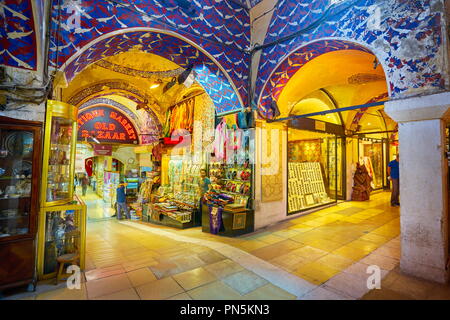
<point>394,176</point>
<point>121,201</point>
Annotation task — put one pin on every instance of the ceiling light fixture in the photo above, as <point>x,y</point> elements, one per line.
<point>156,84</point>
<point>93,138</point>
<point>187,77</point>
<point>170,84</point>
<point>375,63</point>
<point>275,109</point>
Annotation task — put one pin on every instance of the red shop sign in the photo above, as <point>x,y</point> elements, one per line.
<point>102,150</point>
<point>107,125</point>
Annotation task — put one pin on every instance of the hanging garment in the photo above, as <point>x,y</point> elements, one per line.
<point>166,129</point>
<point>157,152</point>
<point>241,119</point>
<point>361,184</point>
<point>220,140</point>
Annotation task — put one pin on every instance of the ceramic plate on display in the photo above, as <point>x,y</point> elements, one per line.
<point>22,167</point>
<point>19,143</point>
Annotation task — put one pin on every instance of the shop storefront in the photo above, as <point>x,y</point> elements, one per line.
<point>228,207</point>
<point>205,171</point>
<point>374,154</point>
<point>315,165</point>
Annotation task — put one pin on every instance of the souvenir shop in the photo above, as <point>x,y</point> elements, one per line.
<point>204,170</point>
<point>316,165</point>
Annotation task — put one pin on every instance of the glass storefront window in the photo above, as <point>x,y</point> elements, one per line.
<point>314,169</point>
<point>16,162</point>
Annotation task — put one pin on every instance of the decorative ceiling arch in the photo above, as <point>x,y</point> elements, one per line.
<point>129,91</point>
<point>360,113</point>
<point>403,24</point>
<point>149,127</point>
<point>292,63</point>
<point>209,73</point>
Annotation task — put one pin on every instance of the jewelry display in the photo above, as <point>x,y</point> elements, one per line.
<point>306,186</point>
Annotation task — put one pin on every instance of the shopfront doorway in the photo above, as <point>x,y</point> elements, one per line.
<point>315,169</point>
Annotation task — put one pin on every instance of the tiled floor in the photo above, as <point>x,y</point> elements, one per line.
<point>331,249</point>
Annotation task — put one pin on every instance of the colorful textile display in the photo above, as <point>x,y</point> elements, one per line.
<point>180,117</point>
<point>221,140</point>
<point>157,152</point>
<point>218,199</point>
<point>215,219</point>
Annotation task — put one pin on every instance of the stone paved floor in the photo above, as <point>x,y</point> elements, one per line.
<point>323,255</point>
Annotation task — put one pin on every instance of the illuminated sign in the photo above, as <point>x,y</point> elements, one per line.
<point>102,150</point>
<point>107,125</point>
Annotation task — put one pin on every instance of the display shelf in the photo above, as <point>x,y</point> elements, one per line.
<point>15,217</point>
<point>13,178</point>
<point>59,153</point>
<point>18,213</point>
<point>57,223</point>
<point>306,186</point>
<point>15,198</point>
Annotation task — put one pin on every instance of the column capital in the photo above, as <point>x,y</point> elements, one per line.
<point>430,107</point>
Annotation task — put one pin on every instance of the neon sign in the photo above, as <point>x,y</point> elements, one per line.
<point>107,125</point>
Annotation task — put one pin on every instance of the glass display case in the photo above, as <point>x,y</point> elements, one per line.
<point>62,219</point>
<point>59,153</point>
<point>20,155</point>
<point>62,230</point>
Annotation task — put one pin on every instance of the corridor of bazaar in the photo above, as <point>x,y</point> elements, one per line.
<point>224,150</point>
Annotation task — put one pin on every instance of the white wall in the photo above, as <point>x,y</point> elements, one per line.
<point>267,213</point>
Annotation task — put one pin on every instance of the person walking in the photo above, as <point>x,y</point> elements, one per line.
<point>93,181</point>
<point>84,184</point>
<point>394,176</point>
<point>121,201</point>
<point>204,185</point>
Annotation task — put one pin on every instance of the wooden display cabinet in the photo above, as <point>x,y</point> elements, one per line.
<point>20,168</point>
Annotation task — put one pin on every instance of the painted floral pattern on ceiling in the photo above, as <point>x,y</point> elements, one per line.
<point>293,63</point>
<point>17,34</point>
<point>221,28</point>
<point>408,40</point>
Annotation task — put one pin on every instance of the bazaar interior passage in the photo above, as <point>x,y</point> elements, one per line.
<point>240,122</point>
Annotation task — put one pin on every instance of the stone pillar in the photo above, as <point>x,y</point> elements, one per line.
<point>423,185</point>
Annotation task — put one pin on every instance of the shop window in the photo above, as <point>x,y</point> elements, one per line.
<point>371,155</point>
<point>314,169</point>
